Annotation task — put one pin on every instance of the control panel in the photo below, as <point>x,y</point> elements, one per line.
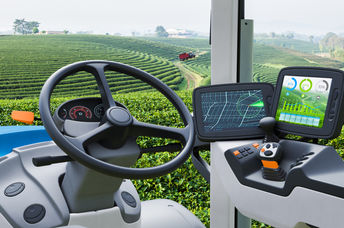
<point>284,177</point>
<point>302,162</point>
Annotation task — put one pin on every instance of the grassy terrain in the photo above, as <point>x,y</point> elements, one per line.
<point>299,45</point>
<point>270,55</point>
<point>199,44</point>
<point>269,60</point>
<point>201,47</point>
<point>27,61</point>
<point>200,64</point>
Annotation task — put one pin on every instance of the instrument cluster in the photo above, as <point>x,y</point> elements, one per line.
<point>82,109</point>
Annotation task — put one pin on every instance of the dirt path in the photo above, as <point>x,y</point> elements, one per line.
<point>202,53</point>
<point>192,78</point>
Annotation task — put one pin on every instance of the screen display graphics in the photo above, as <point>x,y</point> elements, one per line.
<point>303,100</point>
<point>225,110</point>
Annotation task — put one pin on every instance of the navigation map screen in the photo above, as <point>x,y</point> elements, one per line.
<point>303,100</point>
<point>225,110</point>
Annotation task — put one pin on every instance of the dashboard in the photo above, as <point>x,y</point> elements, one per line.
<point>88,109</point>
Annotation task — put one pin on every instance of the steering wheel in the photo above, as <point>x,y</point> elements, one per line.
<point>117,119</point>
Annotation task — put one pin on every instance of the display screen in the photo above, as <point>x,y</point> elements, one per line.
<point>303,100</point>
<point>222,110</point>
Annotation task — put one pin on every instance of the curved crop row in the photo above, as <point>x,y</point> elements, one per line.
<point>262,73</point>
<point>27,61</point>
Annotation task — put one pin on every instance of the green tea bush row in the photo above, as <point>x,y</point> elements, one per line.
<point>27,61</point>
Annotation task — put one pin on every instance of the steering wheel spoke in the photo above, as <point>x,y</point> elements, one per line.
<point>91,136</point>
<point>98,70</point>
<point>139,128</point>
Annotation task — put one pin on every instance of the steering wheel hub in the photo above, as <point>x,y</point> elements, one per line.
<point>119,116</point>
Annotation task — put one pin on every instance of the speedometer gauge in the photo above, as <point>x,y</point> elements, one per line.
<point>80,113</point>
<point>64,113</point>
<point>99,111</point>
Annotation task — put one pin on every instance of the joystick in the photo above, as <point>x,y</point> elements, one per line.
<point>271,151</point>
<point>267,124</point>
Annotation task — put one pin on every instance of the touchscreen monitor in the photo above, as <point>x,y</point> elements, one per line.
<point>308,101</point>
<point>225,110</point>
<point>231,111</point>
<point>303,100</point>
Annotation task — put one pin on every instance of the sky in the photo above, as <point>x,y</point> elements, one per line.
<point>312,17</point>
<point>112,16</point>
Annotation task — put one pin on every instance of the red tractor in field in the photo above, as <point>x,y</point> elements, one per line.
<point>186,56</point>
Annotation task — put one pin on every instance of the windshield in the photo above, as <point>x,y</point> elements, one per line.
<point>168,39</point>
<point>295,33</point>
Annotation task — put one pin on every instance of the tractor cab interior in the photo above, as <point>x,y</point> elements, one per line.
<point>267,163</point>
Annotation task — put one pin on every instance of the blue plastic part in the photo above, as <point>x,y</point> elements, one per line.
<point>16,136</point>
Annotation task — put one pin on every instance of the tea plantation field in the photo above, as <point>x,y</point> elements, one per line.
<point>200,44</point>
<point>27,61</point>
<point>269,60</point>
<point>270,55</point>
<point>294,44</point>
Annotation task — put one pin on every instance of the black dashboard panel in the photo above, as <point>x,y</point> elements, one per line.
<point>88,109</point>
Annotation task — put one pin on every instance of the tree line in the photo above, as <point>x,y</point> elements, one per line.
<point>25,27</point>
<point>334,44</point>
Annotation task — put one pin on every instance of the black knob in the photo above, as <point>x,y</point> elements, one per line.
<point>268,153</point>
<point>34,213</point>
<point>268,124</point>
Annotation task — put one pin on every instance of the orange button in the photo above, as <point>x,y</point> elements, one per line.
<point>270,164</point>
<point>262,150</point>
<point>256,145</point>
<point>236,152</point>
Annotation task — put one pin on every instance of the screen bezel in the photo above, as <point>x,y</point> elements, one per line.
<point>331,126</point>
<point>237,133</point>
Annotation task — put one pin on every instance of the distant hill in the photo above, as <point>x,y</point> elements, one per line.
<point>299,45</point>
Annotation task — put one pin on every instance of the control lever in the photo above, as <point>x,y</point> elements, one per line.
<point>24,117</point>
<point>268,124</point>
<point>49,160</point>
<point>271,151</point>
